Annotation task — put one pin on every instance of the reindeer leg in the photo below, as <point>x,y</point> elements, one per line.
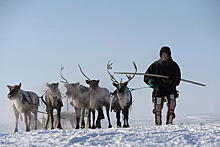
<point>118,118</point>
<point>89,117</point>
<point>77,117</point>
<point>17,117</point>
<point>58,117</point>
<point>48,118</point>
<point>26,121</point>
<point>109,122</point>
<point>29,120</point>
<point>126,119</point>
<point>98,123</point>
<point>83,122</point>
<point>93,119</point>
<point>35,120</point>
<point>51,118</point>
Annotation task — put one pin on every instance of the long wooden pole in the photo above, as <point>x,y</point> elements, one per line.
<point>160,76</point>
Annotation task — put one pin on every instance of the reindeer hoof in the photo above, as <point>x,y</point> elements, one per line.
<point>16,130</point>
<point>118,124</point>
<point>82,126</point>
<point>110,126</point>
<point>50,128</point>
<point>93,127</point>
<point>59,126</point>
<point>77,127</point>
<point>126,126</point>
<point>99,127</point>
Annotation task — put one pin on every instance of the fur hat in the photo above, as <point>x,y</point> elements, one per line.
<point>165,49</point>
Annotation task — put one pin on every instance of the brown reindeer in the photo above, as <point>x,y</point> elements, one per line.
<point>23,102</point>
<point>122,98</point>
<point>99,97</point>
<point>53,100</point>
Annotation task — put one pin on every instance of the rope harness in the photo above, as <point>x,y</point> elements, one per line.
<point>127,90</point>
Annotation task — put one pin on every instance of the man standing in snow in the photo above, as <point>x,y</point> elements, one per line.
<point>164,89</point>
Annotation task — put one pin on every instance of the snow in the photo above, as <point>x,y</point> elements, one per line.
<point>188,130</point>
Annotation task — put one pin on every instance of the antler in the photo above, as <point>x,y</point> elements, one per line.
<point>129,77</point>
<point>111,76</point>
<point>62,76</point>
<point>83,73</point>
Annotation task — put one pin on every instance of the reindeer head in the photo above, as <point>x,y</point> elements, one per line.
<point>54,91</point>
<point>13,91</point>
<point>121,87</point>
<point>93,84</point>
<point>71,87</point>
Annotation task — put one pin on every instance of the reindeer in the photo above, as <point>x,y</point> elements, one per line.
<point>99,97</point>
<point>23,102</point>
<point>53,101</point>
<point>122,98</point>
<point>80,99</point>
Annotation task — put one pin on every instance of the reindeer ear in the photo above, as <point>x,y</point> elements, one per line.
<point>77,84</point>
<point>19,85</point>
<point>57,84</point>
<point>9,87</point>
<point>87,81</point>
<point>97,81</point>
<point>114,84</point>
<point>48,85</point>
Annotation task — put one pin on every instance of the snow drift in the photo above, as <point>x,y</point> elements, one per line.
<point>189,130</point>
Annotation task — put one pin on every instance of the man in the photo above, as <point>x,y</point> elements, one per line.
<point>164,89</point>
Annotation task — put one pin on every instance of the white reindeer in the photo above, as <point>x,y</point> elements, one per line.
<point>122,98</point>
<point>23,102</point>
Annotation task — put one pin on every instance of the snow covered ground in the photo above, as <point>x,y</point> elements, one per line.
<point>189,130</point>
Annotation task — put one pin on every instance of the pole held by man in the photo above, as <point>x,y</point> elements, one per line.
<point>160,76</point>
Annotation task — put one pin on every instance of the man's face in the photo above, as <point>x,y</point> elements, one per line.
<point>164,56</point>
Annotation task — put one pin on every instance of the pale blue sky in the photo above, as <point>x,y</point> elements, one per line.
<point>37,37</point>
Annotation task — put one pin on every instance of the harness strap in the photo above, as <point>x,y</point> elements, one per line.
<point>30,98</point>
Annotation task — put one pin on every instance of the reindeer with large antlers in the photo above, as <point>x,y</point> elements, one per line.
<point>122,98</point>
<point>80,99</point>
<point>99,97</point>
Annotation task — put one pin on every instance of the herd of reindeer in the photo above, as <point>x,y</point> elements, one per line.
<point>83,98</point>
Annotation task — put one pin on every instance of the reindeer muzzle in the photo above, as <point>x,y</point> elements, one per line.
<point>10,97</point>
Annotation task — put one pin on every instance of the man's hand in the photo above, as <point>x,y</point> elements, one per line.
<point>153,84</point>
